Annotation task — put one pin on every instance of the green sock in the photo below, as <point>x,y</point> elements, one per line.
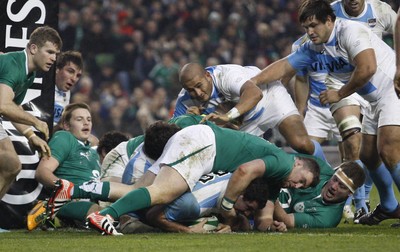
<point>132,201</point>
<point>94,190</point>
<point>76,210</point>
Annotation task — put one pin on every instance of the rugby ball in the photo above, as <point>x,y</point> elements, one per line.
<point>211,224</point>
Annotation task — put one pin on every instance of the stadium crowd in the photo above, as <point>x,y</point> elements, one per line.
<point>133,50</point>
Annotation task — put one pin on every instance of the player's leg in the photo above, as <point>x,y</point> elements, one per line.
<point>167,186</point>
<point>386,117</point>
<point>382,180</point>
<point>10,165</point>
<point>388,147</point>
<point>347,116</point>
<point>295,133</point>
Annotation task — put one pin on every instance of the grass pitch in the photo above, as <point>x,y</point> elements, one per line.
<point>346,237</point>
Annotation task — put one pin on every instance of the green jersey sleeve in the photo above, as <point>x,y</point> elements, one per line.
<point>60,145</point>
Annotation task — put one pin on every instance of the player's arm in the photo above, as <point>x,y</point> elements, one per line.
<point>155,216</point>
<point>250,95</point>
<point>34,140</point>
<point>239,181</point>
<point>278,70</point>
<point>16,114</point>
<point>263,218</point>
<point>301,92</point>
<point>281,215</point>
<point>45,171</point>
<point>365,68</point>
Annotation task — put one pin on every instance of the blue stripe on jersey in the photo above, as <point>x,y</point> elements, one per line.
<point>130,169</point>
<point>211,69</point>
<point>255,116</point>
<point>181,104</point>
<point>366,89</point>
<point>210,202</point>
<point>369,14</point>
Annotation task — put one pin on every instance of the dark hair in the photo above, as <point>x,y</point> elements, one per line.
<point>354,172</point>
<point>67,113</point>
<point>43,34</point>
<point>320,9</point>
<point>74,57</point>
<point>311,165</point>
<point>257,191</point>
<point>156,137</point>
<point>110,140</point>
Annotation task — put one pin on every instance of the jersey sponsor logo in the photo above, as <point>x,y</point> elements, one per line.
<point>334,65</point>
<point>371,22</point>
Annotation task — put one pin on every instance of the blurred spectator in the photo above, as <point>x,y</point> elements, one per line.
<point>145,63</point>
<point>125,62</point>
<point>154,110</point>
<point>165,74</point>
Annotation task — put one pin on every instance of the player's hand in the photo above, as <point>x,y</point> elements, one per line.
<point>229,217</point>
<point>42,127</point>
<point>40,145</point>
<point>396,83</point>
<point>223,228</point>
<point>219,119</point>
<point>241,223</point>
<point>199,227</point>
<point>279,226</point>
<point>329,96</point>
<point>194,110</point>
<point>264,224</point>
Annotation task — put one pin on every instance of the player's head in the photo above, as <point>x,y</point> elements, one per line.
<point>347,178</point>
<point>353,7</point>
<point>68,70</point>
<point>254,197</point>
<point>156,137</point>
<point>304,174</point>
<point>43,46</point>
<point>77,119</point>
<point>109,141</point>
<point>197,81</point>
<point>317,18</point>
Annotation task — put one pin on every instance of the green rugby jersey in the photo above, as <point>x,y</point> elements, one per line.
<point>308,207</point>
<point>13,73</point>
<point>78,162</point>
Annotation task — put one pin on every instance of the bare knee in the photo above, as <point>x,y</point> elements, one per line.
<point>11,167</point>
<point>389,155</point>
<point>352,147</point>
<point>302,144</point>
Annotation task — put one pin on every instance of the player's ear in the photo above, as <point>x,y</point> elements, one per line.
<point>33,48</point>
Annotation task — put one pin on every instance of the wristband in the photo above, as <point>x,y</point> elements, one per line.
<point>26,131</point>
<point>31,136</point>
<point>233,113</point>
<point>227,204</point>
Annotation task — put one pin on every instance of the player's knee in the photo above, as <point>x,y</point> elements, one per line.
<point>389,155</point>
<point>302,144</point>
<point>12,167</point>
<point>349,126</point>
